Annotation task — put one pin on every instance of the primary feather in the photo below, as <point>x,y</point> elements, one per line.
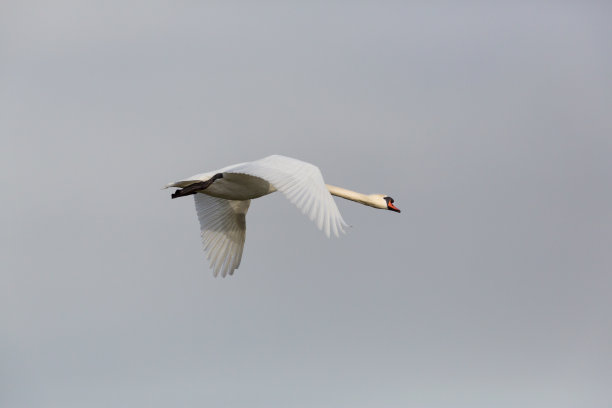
<point>223,230</point>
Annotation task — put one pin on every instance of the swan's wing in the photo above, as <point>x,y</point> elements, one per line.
<point>223,229</point>
<point>302,183</point>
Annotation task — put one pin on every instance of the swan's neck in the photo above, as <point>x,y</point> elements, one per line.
<point>352,195</point>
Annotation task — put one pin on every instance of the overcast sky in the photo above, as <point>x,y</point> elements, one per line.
<point>490,126</point>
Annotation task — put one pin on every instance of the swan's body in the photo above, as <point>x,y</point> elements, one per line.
<point>222,199</point>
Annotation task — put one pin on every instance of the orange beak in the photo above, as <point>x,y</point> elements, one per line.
<point>392,207</point>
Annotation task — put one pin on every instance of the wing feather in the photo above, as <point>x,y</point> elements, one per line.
<point>223,230</point>
<point>302,184</point>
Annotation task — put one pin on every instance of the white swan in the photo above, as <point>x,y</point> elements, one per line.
<point>222,198</point>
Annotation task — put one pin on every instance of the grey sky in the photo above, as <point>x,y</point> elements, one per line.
<point>489,125</point>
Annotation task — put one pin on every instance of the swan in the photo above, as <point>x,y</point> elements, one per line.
<point>222,199</point>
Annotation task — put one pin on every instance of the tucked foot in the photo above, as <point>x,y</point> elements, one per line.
<point>195,187</point>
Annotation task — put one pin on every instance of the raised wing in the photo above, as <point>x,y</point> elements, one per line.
<point>302,183</point>
<point>223,229</point>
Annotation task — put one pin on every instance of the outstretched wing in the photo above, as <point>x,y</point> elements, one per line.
<point>302,183</point>
<point>223,229</point>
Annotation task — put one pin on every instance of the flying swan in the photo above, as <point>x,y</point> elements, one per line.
<point>222,198</point>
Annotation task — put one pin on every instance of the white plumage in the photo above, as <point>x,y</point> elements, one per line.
<point>223,202</point>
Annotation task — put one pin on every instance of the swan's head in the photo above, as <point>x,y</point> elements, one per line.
<point>390,205</point>
<point>384,202</point>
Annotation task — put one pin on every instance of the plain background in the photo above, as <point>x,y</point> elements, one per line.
<point>488,124</point>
